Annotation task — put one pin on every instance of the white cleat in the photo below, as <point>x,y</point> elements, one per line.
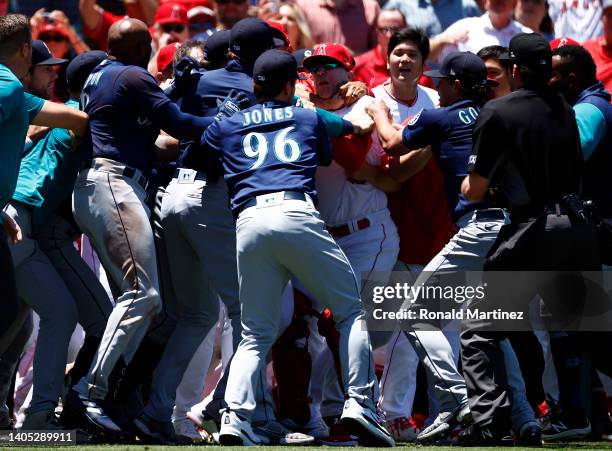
<point>365,424</point>
<point>236,432</point>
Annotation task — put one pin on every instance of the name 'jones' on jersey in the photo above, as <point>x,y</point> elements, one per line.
<point>266,115</point>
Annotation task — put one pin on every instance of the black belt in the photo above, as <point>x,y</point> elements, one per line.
<point>130,172</point>
<point>199,174</point>
<point>289,195</point>
<point>491,214</point>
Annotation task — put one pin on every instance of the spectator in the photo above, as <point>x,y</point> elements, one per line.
<point>434,16</point>
<point>298,31</point>
<point>171,25</point>
<point>499,69</point>
<point>494,27</point>
<point>601,47</point>
<point>55,30</point>
<point>96,22</point>
<point>351,23</point>
<point>230,11</point>
<point>579,20</point>
<point>202,20</point>
<point>534,14</point>
<point>31,7</point>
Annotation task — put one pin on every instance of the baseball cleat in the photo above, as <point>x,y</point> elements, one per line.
<point>564,423</point>
<point>155,432</point>
<point>274,433</point>
<point>236,432</point>
<point>365,424</point>
<point>88,414</point>
<point>529,434</point>
<point>402,429</point>
<point>187,433</point>
<point>444,423</point>
<point>43,420</point>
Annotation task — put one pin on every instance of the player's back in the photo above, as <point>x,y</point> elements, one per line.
<point>121,129</point>
<point>269,147</point>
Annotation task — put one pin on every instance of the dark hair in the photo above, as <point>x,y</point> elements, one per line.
<point>495,51</point>
<point>416,36</point>
<point>185,48</point>
<point>14,32</point>
<point>580,59</point>
<point>267,91</point>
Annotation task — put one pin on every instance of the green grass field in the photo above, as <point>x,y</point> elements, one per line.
<point>556,446</point>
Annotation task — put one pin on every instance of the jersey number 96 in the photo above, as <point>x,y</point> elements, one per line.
<point>255,145</point>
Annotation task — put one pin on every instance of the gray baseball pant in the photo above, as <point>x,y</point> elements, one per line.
<point>200,237</point>
<point>109,207</point>
<point>275,244</point>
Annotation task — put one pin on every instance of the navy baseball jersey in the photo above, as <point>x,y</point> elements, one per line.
<point>269,147</point>
<point>449,132</point>
<point>211,89</point>
<point>126,110</point>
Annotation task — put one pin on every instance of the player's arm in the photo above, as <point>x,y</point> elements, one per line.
<point>57,115</point>
<point>378,176</point>
<point>488,154</point>
<point>389,135</point>
<point>591,127</point>
<point>167,149</point>
<point>404,167</point>
<point>140,87</point>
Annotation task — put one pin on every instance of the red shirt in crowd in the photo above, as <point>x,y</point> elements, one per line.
<point>371,68</point>
<point>602,56</point>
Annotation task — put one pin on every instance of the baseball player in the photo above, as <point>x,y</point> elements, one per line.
<point>127,108</point>
<point>18,109</point>
<point>66,291</point>
<point>462,89</point>
<point>271,183</point>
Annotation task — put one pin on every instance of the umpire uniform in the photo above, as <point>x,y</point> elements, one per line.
<point>527,143</point>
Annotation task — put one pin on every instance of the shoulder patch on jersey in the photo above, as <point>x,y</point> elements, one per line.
<point>414,118</point>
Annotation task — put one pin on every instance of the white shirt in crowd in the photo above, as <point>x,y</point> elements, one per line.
<point>576,19</point>
<point>482,33</point>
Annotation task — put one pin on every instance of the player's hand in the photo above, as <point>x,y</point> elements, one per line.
<point>352,91</point>
<point>377,108</point>
<point>186,72</point>
<point>234,102</point>
<point>12,230</point>
<point>362,123</point>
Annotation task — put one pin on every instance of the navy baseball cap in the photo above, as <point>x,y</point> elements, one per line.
<point>251,37</point>
<point>530,50</point>
<point>217,46</point>
<point>81,66</point>
<point>41,56</point>
<point>463,66</point>
<point>275,67</point>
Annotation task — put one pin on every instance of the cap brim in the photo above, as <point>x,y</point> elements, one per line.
<point>169,20</point>
<point>51,62</point>
<point>434,74</point>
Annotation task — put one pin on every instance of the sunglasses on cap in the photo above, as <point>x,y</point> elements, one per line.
<point>170,27</point>
<point>52,38</point>
<point>325,66</point>
<point>235,2</point>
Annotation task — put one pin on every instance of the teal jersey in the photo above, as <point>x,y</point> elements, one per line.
<point>48,172</point>
<point>17,109</point>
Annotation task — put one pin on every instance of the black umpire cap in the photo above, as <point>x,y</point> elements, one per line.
<point>275,67</point>
<point>531,50</point>
<point>250,37</point>
<point>41,56</point>
<point>466,67</point>
<point>81,66</point>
